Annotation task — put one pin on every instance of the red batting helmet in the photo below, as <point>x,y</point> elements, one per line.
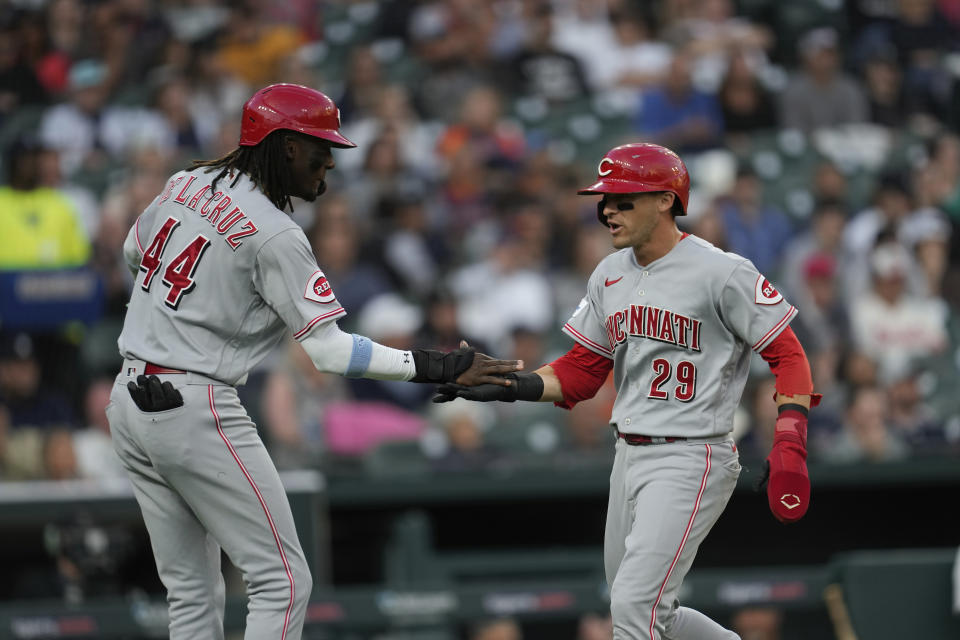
<point>641,167</point>
<point>293,107</point>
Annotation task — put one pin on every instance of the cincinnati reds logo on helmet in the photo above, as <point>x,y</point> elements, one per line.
<point>600,171</point>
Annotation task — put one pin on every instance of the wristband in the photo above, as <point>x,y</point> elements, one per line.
<point>526,386</point>
<point>791,406</point>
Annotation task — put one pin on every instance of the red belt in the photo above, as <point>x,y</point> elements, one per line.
<point>153,369</point>
<point>637,439</point>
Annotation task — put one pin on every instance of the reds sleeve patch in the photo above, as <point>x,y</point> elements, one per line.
<point>766,293</point>
<point>318,289</point>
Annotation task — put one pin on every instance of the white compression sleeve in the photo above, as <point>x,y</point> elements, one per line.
<point>334,351</point>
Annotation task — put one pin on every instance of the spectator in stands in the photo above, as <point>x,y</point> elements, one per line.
<point>540,69</point>
<point>452,41</point>
<point>464,426</point>
<point>926,234</point>
<point>336,240</point>
<point>481,125</point>
<point>294,404</point>
<point>758,623</point>
<point>90,131</point>
<point>910,418</point>
<point>829,183</point>
<point>253,47</point>
<point>19,84</point>
<point>677,115</point>
<point>39,228</point>
<point>496,629</point>
<point>866,435</point>
<point>77,127</point>
<point>362,87</point>
<point>754,229</point>
<point>821,95</point>
<point>412,250</point>
<point>92,447</point>
<point>637,59</point>
<point>714,33</point>
<point>883,81</point>
<point>591,243</point>
<point>502,292</point>
<point>29,411</point>
<point>595,626</point>
<point>394,322</point>
<point>747,106</point>
<point>441,328</point>
<point>824,325</point>
<point>587,436</point>
<point>892,204</point>
<point>922,37</point>
<point>824,237</point>
<point>416,139</point>
<point>887,322</point>
<point>172,102</point>
<point>582,28</point>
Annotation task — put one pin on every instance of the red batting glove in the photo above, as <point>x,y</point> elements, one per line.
<point>788,487</point>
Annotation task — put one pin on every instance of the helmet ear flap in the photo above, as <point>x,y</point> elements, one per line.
<point>600,215</point>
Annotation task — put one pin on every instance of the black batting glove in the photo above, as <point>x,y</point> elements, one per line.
<point>523,386</point>
<point>150,395</point>
<point>437,366</point>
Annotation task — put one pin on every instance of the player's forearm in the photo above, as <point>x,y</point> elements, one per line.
<point>801,399</point>
<point>334,351</point>
<point>552,392</point>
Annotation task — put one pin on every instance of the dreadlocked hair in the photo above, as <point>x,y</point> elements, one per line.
<point>265,163</point>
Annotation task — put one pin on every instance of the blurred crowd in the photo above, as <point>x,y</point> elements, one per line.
<point>823,139</point>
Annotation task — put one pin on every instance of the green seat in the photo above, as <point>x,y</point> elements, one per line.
<point>889,595</point>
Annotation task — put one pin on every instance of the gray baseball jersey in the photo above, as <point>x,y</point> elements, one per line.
<point>679,331</point>
<point>221,274</point>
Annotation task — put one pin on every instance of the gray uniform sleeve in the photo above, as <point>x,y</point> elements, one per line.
<point>752,308</point>
<point>286,275</point>
<point>586,323</point>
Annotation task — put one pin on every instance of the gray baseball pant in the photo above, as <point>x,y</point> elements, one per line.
<point>664,499</point>
<point>204,481</point>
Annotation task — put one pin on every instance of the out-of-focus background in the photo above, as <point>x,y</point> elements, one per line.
<point>822,139</point>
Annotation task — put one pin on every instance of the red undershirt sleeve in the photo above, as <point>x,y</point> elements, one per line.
<point>581,373</point>
<point>790,367</point>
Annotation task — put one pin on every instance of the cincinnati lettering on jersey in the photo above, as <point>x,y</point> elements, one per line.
<point>639,321</point>
<point>216,214</point>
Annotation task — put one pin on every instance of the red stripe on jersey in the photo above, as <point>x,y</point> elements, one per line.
<point>312,323</point>
<point>587,341</point>
<point>581,373</point>
<point>136,234</point>
<point>792,311</point>
<point>263,504</point>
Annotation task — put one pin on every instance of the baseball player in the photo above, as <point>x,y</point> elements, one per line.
<point>221,274</point>
<point>676,319</point>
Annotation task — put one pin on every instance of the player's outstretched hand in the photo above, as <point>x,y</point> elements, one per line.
<point>463,366</point>
<point>485,370</point>
<point>151,395</point>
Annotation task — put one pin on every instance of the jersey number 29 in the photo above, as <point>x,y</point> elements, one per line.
<point>686,374</point>
<point>179,273</point>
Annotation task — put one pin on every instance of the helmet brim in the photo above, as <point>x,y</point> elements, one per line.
<point>615,186</point>
<point>335,138</point>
